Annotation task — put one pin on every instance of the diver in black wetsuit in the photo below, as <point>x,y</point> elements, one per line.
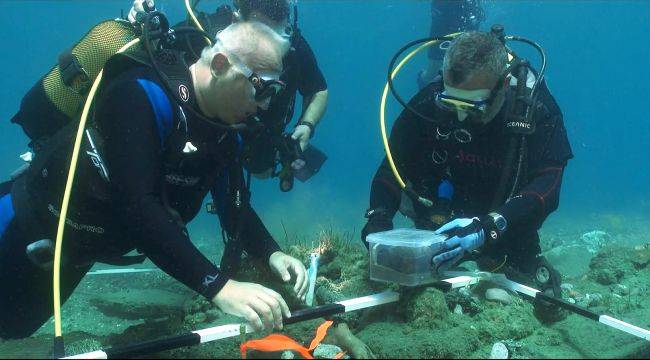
<point>161,161</point>
<point>457,160</point>
<point>449,17</point>
<point>301,75</point>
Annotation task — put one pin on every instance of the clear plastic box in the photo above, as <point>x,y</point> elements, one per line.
<point>403,256</point>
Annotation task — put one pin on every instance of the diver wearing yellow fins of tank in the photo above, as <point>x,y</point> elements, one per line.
<point>161,136</point>
<point>477,155</point>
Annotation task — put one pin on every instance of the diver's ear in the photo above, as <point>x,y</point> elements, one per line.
<point>219,64</point>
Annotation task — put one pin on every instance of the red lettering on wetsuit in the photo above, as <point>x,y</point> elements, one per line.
<point>475,159</point>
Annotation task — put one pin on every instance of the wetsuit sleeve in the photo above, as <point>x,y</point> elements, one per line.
<point>549,151</point>
<point>133,156</point>
<point>255,238</point>
<point>311,78</point>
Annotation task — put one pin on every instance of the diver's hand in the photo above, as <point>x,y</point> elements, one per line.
<point>287,267</point>
<point>138,10</point>
<point>465,236</point>
<point>254,303</point>
<point>302,134</point>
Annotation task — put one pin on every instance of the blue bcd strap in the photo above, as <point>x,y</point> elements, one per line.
<point>161,106</point>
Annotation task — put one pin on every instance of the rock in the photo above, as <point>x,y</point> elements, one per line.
<point>498,295</point>
<point>621,289</point>
<point>608,277</point>
<point>595,240</point>
<point>465,292</point>
<point>463,302</point>
<point>83,346</point>
<point>499,351</point>
<point>571,260</point>
<point>326,351</point>
<point>610,265</point>
<point>192,306</point>
<point>641,257</point>
<point>200,317</point>
<point>458,309</point>
<point>567,287</point>
<point>213,314</point>
<point>196,319</point>
<point>571,300</point>
<point>593,300</point>
<point>288,355</point>
<point>425,308</point>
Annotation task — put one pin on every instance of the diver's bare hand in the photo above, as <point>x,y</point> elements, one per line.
<point>287,267</point>
<point>302,134</point>
<point>260,306</point>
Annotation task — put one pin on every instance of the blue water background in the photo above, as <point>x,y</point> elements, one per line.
<point>598,56</point>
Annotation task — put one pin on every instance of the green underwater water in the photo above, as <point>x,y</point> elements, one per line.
<point>110,310</point>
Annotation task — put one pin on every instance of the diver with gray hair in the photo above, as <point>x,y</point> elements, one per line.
<point>278,150</point>
<point>454,143</point>
<point>168,134</point>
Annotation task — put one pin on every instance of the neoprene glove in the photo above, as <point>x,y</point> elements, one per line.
<point>465,236</point>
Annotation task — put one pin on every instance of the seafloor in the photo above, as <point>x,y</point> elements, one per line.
<point>606,268</point>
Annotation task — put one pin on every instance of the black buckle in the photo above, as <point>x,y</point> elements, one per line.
<point>71,69</point>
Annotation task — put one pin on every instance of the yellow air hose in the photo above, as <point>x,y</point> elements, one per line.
<point>191,13</point>
<point>382,110</point>
<point>66,196</point>
<point>196,22</point>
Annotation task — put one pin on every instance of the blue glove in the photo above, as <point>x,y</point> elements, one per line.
<point>465,236</point>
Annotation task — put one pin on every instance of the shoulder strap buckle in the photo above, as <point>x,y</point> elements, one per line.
<point>72,73</point>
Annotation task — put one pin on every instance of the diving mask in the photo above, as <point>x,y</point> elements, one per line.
<point>465,103</point>
<point>265,84</point>
<point>475,104</point>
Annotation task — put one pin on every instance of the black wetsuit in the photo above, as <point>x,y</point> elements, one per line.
<point>474,170</point>
<point>155,189</point>
<point>302,75</point>
<point>452,16</point>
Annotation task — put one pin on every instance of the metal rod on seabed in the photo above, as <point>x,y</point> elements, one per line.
<point>461,279</point>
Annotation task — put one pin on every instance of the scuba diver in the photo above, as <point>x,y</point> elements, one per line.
<point>162,135</point>
<point>448,17</point>
<point>270,152</point>
<point>302,75</point>
<point>456,144</point>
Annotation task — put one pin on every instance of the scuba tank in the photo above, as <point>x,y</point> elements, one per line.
<point>58,97</point>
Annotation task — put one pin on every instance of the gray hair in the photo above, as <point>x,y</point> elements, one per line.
<point>473,53</point>
<point>254,43</point>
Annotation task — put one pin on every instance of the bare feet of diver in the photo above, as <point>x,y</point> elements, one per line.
<point>345,339</point>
